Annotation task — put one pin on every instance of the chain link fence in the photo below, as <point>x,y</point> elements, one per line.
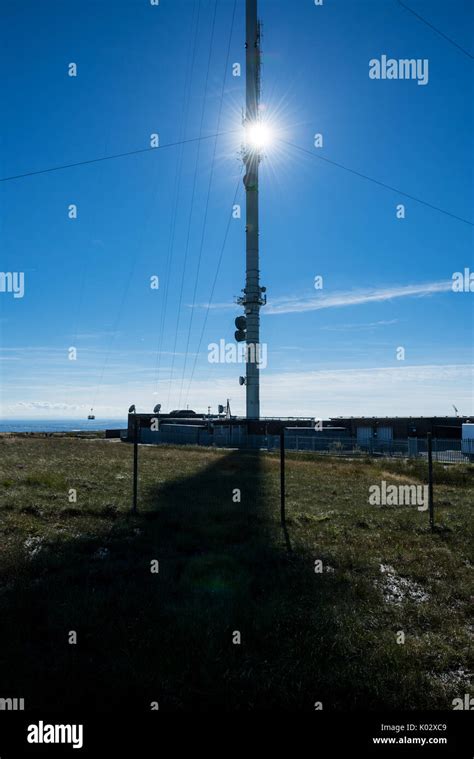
<point>444,450</point>
<point>447,451</point>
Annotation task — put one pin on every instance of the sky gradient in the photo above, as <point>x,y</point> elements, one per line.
<point>168,69</point>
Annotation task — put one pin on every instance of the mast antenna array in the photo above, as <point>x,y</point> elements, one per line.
<point>253,298</point>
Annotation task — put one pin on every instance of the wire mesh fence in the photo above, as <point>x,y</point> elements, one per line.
<point>444,450</point>
<point>447,451</point>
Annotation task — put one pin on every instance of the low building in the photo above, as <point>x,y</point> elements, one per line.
<point>386,429</point>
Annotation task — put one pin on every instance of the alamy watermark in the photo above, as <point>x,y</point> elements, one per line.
<point>238,353</point>
<point>403,68</point>
<point>47,733</point>
<point>12,704</point>
<point>463,703</point>
<point>12,282</point>
<point>399,495</point>
<point>463,281</point>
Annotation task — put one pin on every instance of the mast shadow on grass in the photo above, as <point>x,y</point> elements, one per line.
<point>225,575</point>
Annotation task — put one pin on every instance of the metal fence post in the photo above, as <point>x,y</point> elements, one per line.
<point>430,479</point>
<point>135,464</point>
<point>282,476</point>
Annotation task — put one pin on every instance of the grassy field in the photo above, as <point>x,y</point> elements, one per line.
<point>227,566</point>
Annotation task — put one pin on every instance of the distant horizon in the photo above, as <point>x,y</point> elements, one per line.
<point>214,413</point>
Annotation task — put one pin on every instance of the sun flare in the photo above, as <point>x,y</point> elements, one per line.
<point>258,135</point>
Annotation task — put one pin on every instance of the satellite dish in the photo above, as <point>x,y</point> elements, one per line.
<point>131,410</point>
<point>241,322</point>
<point>241,380</point>
<point>157,408</point>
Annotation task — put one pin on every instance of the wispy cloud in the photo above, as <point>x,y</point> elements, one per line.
<point>213,306</point>
<point>288,305</point>
<point>47,406</point>
<point>97,335</point>
<point>427,389</point>
<point>360,327</point>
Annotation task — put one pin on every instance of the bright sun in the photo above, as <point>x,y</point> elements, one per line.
<point>259,135</point>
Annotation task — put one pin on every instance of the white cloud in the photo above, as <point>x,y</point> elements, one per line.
<point>287,305</point>
<point>47,406</point>
<point>380,391</point>
<point>360,327</point>
<point>214,306</point>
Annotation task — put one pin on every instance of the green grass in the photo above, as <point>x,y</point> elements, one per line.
<point>227,566</point>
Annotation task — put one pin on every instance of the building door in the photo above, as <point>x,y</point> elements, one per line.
<point>364,436</point>
<point>385,434</point>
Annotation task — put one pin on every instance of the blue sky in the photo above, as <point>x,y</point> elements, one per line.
<point>143,69</point>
